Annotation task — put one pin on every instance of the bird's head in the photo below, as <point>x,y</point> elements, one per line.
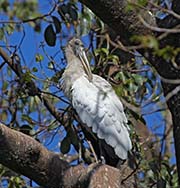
<point>78,49</point>
<point>76,45</point>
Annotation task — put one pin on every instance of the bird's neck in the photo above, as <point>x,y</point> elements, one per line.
<point>73,71</point>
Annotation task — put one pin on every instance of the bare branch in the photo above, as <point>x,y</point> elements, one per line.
<point>174,92</point>
<point>31,19</point>
<point>170,81</point>
<point>158,29</point>
<point>28,157</point>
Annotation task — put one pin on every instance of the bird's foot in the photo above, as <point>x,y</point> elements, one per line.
<point>102,160</point>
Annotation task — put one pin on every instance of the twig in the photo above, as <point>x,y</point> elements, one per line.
<point>170,81</point>
<point>158,29</point>
<point>92,149</point>
<point>172,93</point>
<point>31,19</point>
<point>165,10</point>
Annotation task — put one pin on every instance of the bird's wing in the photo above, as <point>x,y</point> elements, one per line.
<point>99,107</point>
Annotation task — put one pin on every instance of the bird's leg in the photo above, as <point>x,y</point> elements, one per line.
<point>92,149</point>
<point>80,152</point>
<point>103,161</point>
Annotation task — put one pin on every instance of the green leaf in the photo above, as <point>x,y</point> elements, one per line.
<point>57,24</point>
<point>120,76</point>
<point>27,118</point>
<point>147,41</point>
<point>5,85</point>
<point>9,71</point>
<point>27,76</point>
<point>168,52</point>
<point>4,5</point>
<point>50,35</point>
<point>34,69</point>
<point>113,58</point>
<point>50,65</point>
<point>65,145</point>
<point>53,125</point>
<point>10,28</point>
<point>142,2</point>
<point>1,33</point>
<point>138,79</point>
<point>2,170</point>
<point>4,115</point>
<point>102,51</point>
<point>39,58</point>
<point>55,78</point>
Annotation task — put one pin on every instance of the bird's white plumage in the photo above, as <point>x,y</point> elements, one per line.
<point>99,107</point>
<point>94,100</point>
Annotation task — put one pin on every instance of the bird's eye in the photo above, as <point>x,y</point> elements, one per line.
<point>77,42</point>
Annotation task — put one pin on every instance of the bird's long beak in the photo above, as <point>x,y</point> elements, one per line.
<point>85,63</point>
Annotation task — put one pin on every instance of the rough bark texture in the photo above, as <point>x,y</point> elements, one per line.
<point>26,156</point>
<point>114,14</point>
<point>126,25</point>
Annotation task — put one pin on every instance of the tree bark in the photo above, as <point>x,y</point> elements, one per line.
<point>26,156</point>
<point>126,24</point>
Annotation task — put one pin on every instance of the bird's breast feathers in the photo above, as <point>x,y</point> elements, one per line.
<point>99,108</point>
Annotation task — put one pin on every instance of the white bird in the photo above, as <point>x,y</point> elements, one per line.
<point>95,101</point>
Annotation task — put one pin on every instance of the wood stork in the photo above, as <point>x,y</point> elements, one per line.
<point>96,103</point>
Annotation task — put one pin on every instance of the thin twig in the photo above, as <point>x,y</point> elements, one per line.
<point>158,29</point>
<point>31,19</point>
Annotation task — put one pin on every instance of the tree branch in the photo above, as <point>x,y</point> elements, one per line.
<point>116,16</point>
<point>28,157</point>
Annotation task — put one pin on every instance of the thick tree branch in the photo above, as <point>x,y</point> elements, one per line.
<point>28,157</point>
<point>116,16</point>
